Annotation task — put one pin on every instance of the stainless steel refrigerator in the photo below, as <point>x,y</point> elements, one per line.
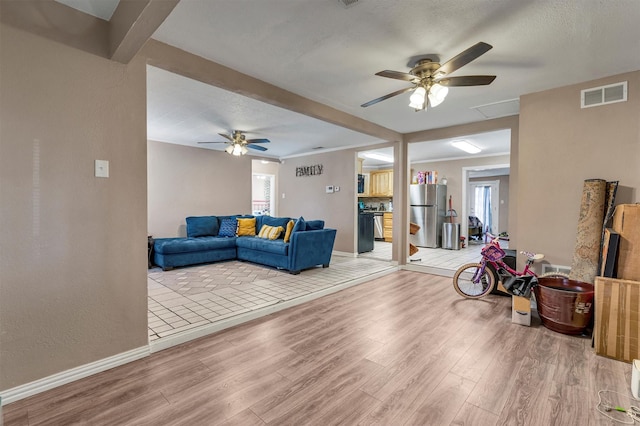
<point>428,209</point>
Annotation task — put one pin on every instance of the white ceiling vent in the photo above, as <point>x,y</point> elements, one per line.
<point>603,95</point>
<point>499,109</point>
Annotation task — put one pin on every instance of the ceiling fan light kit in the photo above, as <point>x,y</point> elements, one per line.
<point>239,144</point>
<point>430,80</point>
<point>417,98</point>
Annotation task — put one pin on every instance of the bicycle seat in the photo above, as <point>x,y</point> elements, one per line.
<point>533,256</point>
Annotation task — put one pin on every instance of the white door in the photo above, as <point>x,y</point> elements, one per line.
<point>483,203</point>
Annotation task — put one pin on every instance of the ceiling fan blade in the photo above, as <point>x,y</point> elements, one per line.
<point>385,97</point>
<point>226,136</point>
<point>398,75</point>
<point>468,80</point>
<point>213,142</point>
<point>258,141</point>
<point>464,58</point>
<point>256,147</point>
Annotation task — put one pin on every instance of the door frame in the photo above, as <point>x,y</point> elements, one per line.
<point>465,186</point>
<point>495,201</point>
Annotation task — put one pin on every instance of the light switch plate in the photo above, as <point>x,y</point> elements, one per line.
<point>102,168</point>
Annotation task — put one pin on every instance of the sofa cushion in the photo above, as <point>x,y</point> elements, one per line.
<point>187,245</point>
<point>202,226</point>
<point>299,225</point>
<point>272,221</point>
<point>261,244</point>
<point>314,225</point>
<point>287,232</point>
<point>246,226</point>
<point>228,227</point>
<point>270,232</point>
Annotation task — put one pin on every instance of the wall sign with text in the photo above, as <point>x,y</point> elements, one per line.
<point>309,170</point>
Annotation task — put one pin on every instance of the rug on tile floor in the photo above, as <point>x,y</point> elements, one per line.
<point>200,279</point>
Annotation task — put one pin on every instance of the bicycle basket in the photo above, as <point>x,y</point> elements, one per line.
<point>493,252</point>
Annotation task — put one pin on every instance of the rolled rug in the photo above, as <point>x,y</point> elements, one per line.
<point>586,254</point>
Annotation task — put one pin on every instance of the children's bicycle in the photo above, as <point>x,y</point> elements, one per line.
<point>476,280</point>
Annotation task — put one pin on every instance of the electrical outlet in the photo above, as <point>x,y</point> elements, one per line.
<point>329,189</point>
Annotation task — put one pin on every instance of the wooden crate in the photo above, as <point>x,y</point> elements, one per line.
<point>617,320</point>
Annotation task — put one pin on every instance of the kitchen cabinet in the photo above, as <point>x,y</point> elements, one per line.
<point>381,183</point>
<point>367,186</point>
<point>387,226</point>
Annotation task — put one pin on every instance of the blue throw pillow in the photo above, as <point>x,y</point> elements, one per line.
<point>202,226</point>
<point>299,226</point>
<point>314,225</point>
<point>275,221</point>
<point>228,227</point>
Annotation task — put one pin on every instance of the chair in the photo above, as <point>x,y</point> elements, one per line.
<point>475,229</point>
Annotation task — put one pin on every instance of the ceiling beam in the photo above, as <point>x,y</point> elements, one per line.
<point>133,23</point>
<point>510,122</point>
<point>183,63</point>
<point>59,23</point>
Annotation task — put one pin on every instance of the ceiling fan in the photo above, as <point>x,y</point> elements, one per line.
<point>430,81</point>
<point>238,143</point>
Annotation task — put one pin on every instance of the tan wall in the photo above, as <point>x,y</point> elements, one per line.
<point>72,246</point>
<point>305,196</point>
<point>561,145</point>
<point>187,181</point>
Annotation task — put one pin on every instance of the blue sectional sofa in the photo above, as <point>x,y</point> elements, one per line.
<point>215,238</point>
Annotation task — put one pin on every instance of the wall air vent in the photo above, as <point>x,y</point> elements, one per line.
<point>548,268</point>
<point>603,95</point>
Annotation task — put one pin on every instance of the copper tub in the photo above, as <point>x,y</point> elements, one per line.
<point>564,305</point>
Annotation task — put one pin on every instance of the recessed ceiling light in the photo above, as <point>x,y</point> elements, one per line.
<point>466,147</point>
<point>376,156</point>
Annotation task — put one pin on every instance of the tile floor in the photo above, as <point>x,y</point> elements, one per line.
<point>186,298</point>
<point>432,257</point>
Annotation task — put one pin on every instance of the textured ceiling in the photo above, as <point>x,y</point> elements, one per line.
<point>328,53</point>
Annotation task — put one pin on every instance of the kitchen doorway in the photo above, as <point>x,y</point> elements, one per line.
<point>374,223</point>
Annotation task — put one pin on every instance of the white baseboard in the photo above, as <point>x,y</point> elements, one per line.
<point>64,377</point>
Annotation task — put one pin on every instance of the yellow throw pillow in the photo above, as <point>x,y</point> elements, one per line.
<point>246,227</point>
<point>287,232</point>
<point>270,232</point>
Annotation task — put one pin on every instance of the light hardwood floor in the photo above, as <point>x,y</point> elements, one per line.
<point>401,349</point>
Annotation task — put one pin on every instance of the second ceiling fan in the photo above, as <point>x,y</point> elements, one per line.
<point>430,81</point>
<point>238,143</point>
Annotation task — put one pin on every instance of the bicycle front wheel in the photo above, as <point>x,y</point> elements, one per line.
<point>469,285</point>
